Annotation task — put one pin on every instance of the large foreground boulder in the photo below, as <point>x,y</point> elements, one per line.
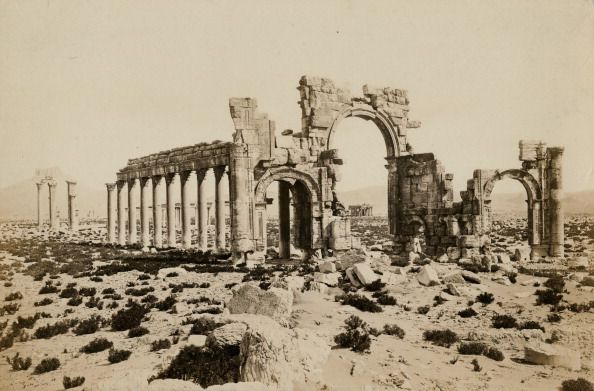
<point>428,276</point>
<point>252,348</point>
<point>249,299</point>
<point>364,273</point>
<point>558,356</point>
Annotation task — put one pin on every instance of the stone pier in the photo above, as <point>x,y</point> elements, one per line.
<point>202,212</point>
<point>111,212</point>
<point>284,220</point>
<point>72,214</point>
<point>132,232</point>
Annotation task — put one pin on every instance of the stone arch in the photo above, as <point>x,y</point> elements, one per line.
<point>291,174</point>
<point>382,120</point>
<point>534,200</point>
<point>531,185</point>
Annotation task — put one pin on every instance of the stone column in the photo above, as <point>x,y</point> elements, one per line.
<point>170,180</point>
<point>202,221</point>
<point>121,213</point>
<point>239,200</point>
<point>186,209</point>
<point>219,208</point>
<point>284,220</point>
<point>556,215</point>
<point>132,237</point>
<point>53,210</point>
<point>261,219</point>
<point>392,195</point>
<point>72,218</point>
<point>111,213</point>
<point>157,212</point>
<point>39,220</point>
<point>145,237</point>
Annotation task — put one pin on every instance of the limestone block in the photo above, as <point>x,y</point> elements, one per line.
<point>275,303</point>
<point>470,277</point>
<point>578,262</point>
<point>522,254</point>
<point>427,276</point>
<point>390,278</point>
<point>327,267</point>
<point>453,253</point>
<point>555,355</point>
<point>453,278</point>
<point>468,241</point>
<point>197,340</point>
<point>330,279</point>
<point>364,273</point>
<point>320,287</point>
<point>353,277</point>
<point>443,258</point>
<point>503,258</point>
<point>469,252</point>
<point>453,290</point>
<point>355,242</point>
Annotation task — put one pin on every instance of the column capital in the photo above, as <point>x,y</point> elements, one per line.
<point>39,185</point>
<point>185,175</point>
<point>52,183</point>
<point>200,174</point>
<point>219,171</point>
<point>71,182</point>
<point>132,182</point>
<point>169,178</point>
<point>144,181</point>
<point>110,186</point>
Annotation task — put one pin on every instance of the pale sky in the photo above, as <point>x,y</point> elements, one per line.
<point>85,85</point>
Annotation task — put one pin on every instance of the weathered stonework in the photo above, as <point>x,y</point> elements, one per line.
<point>420,194</point>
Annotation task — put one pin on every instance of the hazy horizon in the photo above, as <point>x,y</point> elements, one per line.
<point>87,85</point>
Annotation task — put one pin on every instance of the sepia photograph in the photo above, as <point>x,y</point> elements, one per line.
<point>297,195</point>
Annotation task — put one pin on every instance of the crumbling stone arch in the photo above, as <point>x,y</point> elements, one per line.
<point>533,201</point>
<point>284,174</point>
<point>381,119</point>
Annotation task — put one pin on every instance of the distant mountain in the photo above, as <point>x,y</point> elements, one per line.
<point>20,200</point>
<point>575,202</point>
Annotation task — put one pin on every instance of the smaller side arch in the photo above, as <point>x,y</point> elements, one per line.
<point>531,185</point>
<point>284,173</point>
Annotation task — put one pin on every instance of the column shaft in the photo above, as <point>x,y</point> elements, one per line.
<point>170,183</point>
<point>219,208</point>
<point>145,237</point>
<point>72,218</point>
<point>157,212</point>
<point>202,212</point>
<point>132,237</point>
<point>284,220</point>
<point>111,213</point>
<point>186,210</point>
<point>121,213</point>
<point>39,221</point>
<point>54,221</point>
<point>556,213</point>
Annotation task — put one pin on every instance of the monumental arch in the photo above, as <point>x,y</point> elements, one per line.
<point>307,168</point>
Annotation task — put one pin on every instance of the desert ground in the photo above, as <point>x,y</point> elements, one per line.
<point>124,319</point>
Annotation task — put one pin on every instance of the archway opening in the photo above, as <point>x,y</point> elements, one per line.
<point>286,216</point>
<point>509,215</point>
<point>362,179</point>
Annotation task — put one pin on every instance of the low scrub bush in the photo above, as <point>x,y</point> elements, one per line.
<point>48,288</point>
<point>579,384</point>
<point>68,293</point>
<point>480,349</point>
<point>356,336</point>
<point>166,304</point>
<point>47,365</point>
<point>504,322</point>
<point>137,332</point>
<point>139,292</point>
<point>360,302</point>
<point>43,302</point>
<point>25,323</point>
<point>128,318</point>
<point>18,363</point>
<point>160,344</point>
<point>108,291</point>
<point>548,296</point>
<point>445,338</point>
<point>555,283</point>
<point>531,325</point>
<point>50,330</point>
<point>13,296</point>
<point>393,329</point>
<point>117,355</point>
<point>423,310</point>
<point>88,326</point>
<point>87,291</point>
<point>384,298</point>
<point>9,309</point>
<point>71,382</point>
<point>74,301</point>
<point>485,298</point>
<point>467,313</point>
<point>375,286</point>
<point>96,345</point>
<point>203,325</point>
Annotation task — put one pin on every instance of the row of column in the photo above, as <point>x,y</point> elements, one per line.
<point>171,180</point>
<point>53,206</point>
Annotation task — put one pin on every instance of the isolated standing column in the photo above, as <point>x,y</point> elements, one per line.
<point>72,218</point>
<point>219,208</point>
<point>39,221</point>
<point>121,213</point>
<point>157,212</point>
<point>145,238</point>
<point>170,180</point>
<point>54,221</point>
<point>111,212</point>
<point>556,214</point>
